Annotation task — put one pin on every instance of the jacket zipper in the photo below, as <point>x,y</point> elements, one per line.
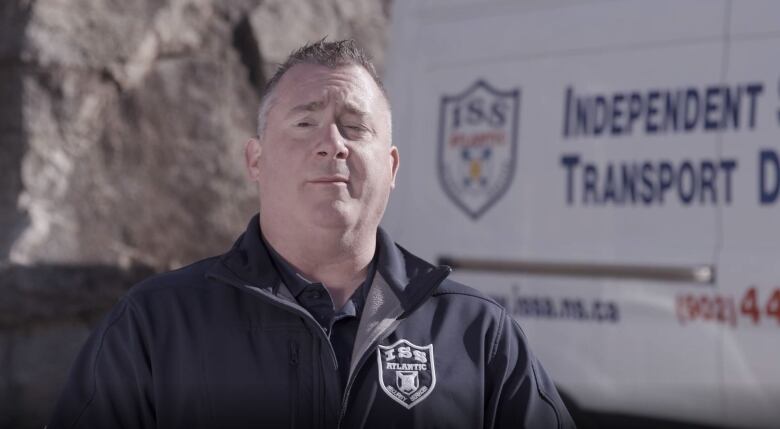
<point>292,308</point>
<point>289,307</point>
<point>351,380</point>
<point>369,352</point>
<point>294,359</point>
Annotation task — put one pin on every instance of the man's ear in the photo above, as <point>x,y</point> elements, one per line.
<point>252,151</point>
<point>396,163</point>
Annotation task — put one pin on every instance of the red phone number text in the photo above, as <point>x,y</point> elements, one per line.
<point>751,308</point>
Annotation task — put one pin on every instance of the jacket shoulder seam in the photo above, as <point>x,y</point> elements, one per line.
<point>156,288</point>
<point>161,281</point>
<point>95,364</point>
<point>496,339</point>
<point>472,295</point>
<point>545,397</point>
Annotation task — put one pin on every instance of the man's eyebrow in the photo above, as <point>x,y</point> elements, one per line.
<point>317,105</point>
<point>309,107</point>
<point>354,109</point>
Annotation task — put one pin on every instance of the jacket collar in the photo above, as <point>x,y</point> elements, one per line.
<point>410,278</point>
<point>249,262</point>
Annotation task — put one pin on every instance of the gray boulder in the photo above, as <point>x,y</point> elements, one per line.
<point>121,131</point>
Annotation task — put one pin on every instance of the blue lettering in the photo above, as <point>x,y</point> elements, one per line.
<point>686,109</point>
<point>708,181</point>
<point>691,112</point>
<point>570,161</point>
<point>617,112</point>
<point>647,180</point>
<point>582,125</point>
<point>768,176</point>
<point>651,127</point>
<point>634,110</point>
<point>728,165</point>
<point>754,90</point>
<point>474,112</point>
<point>498,116</point>
<point>609,185</point>
<point>731,108</point>
<point>456,116</point>
<point>665,179</point>
<point>600,119</point>
<point>654,182</point>
<point>589,179</point>
<point>614,312</point>
<point>567,110</point>
<point>686,195</point>
<point>671,109</point>
<point>711,108</point>
<point>629,181</point>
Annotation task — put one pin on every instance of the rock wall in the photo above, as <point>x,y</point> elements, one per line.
<point>122,126</point>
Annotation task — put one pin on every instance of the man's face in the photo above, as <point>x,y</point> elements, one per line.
<point>325,158</point>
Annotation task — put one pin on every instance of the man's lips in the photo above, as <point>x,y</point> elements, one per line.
<point>330,179</point>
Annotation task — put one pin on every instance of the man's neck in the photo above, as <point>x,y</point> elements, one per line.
<point>337,259</point>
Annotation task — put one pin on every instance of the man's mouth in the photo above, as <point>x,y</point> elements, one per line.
<point>336,179</point>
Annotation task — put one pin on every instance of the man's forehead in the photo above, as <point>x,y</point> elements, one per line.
<point>310,87</point>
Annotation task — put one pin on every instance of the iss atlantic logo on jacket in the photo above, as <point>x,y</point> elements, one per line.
<point>406,372</point>
<point>478,145</point>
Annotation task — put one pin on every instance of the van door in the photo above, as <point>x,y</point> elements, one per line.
<point>748,269</point>
<point>560,155</point>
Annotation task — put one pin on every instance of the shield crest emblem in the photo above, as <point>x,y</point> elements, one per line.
<point>477,146</point>
<point>406,372</point>
<point>407,381</point>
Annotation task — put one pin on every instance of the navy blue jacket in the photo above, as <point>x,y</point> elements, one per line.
<point>222,344</point>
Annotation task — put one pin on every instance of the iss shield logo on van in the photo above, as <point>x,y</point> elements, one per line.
<point>406,372</point>
<point>478,145</point>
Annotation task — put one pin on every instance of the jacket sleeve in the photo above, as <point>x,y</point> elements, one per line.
<point>519,392</point>
<point>110,384</point>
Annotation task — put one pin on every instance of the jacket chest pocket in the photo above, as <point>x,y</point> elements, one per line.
<point>257,378</point>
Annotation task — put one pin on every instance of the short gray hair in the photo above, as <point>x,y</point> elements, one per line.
<point>328,54</point>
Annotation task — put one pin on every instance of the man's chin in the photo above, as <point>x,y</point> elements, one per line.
<point>333,216</point>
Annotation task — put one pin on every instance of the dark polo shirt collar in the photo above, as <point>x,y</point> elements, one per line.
<point>340,325</point>
<point>314,297</point>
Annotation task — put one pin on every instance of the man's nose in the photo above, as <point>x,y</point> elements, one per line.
<point>332,144</point>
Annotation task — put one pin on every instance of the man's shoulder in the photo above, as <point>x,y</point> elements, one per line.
<point>185,279</point>
<point>448,288</point>
<point>451,289</point>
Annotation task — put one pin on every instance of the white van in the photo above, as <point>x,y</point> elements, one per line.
<point>610,172</point>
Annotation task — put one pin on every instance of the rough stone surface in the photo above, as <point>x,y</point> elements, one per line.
<point>132,115</point>
<point>122,126</point>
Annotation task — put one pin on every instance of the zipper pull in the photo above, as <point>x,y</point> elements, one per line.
<point>293,353</point>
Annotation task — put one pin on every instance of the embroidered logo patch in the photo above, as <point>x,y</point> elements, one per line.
<point>406,372</point>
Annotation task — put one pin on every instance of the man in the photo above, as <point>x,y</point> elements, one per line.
<point>315,318</point>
